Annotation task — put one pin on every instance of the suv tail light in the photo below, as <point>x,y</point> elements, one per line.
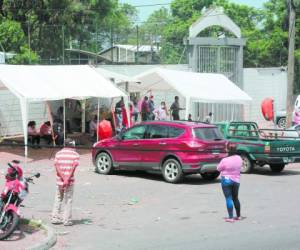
<point>267,147</point>
<point>196,145</point>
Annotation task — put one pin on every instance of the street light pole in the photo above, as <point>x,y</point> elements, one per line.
<point>291,63</point>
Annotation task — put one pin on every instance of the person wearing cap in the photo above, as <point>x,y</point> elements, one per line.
<point>66,162</point>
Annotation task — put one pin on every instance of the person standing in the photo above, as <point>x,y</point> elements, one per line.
<point>208,118</point>
<point>152,108</point>
<point>145,109</point>
<point>93,127</point>
<point>162,112</point>
<point>66,162</point>
<point>230,168</point>
<point>175,108</point>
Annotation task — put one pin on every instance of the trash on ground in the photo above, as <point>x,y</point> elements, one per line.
<point>133,201</point>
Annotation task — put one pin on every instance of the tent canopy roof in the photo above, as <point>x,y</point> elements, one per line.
<point>200,87</point>
<point>42,83</point>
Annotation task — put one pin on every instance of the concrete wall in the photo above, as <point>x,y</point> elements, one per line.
<point>261,83</point>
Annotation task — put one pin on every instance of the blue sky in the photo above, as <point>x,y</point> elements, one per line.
<point>144,12</point>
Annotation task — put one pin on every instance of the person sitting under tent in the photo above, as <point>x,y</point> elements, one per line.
<point>33,134</point>
<point>58,130</point>
<point>46,132</point>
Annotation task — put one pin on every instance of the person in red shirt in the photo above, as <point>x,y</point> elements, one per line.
<point>66,162</point>
<point>46,132</point>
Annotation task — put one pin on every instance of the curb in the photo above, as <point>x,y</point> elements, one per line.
<point>46,243</point>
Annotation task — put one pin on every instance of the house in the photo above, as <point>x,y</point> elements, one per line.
<point>132,54</point>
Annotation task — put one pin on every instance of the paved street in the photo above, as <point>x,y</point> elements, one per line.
<point>141,211</point>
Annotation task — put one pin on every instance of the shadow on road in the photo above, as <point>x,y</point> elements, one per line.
<point>22,231</point>
<point>266,171</point>
<point>187,180</point>
<point>11,153</point>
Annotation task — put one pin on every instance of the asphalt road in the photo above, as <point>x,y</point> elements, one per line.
<point>141,211</point>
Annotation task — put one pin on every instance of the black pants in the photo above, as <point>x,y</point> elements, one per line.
<point>176,117</point>
<point>145,117</point>
<point>48,138</point>
<point>34,139</point>
<point>231,193</point>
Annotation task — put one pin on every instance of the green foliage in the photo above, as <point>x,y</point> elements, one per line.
<point>11,35</point>
<point>51,26</point>
<point>25,56</point>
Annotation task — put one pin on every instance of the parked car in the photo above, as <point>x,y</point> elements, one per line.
<point>259,147</point>
<point>172,148</point>
<point>280,118</point>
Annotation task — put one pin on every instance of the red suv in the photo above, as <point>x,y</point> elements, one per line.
<point>172,148</point>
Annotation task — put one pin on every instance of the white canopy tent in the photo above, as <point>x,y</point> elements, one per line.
<point>195,87</point>
<point>46,83</point>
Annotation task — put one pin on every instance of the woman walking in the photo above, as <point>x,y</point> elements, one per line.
<point>230,168</point>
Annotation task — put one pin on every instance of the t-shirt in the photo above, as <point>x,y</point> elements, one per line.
<point>145,107</point>
<point>175,108</point>
<point>66,160</point>
<point>230,167</point>
<point>45,130</point>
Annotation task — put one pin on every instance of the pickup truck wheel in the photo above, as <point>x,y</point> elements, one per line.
<point>247,166</point>
<point>172,171</point>
<point>277,168</point>
<point>104,164</point>
<point>210,176</point>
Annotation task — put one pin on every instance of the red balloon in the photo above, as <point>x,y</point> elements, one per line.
<point>104,130</point>
<point>267,109</point>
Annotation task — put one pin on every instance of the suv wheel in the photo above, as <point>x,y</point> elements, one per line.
<point>210,176</point>
<point>277,168</point>
<point>172,171</point>
<point>104,164</point>
<point>247,166</point>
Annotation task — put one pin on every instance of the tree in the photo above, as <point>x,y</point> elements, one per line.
<point>51,25</point>
<point>13,40</point>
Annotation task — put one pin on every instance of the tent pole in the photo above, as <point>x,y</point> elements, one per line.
<point>64,121</point>
<point>51,121</point>
<point>98,118</point>
<point>187,107</point>
<point>232,112</point>
<point>83,115</point>
<point>24,111</point>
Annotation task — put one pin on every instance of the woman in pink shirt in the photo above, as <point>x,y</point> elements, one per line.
<point>33,134</point>
<point>230,168</point>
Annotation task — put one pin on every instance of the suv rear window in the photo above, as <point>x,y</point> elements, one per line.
<point>175,132</point>
<point>208,134</point>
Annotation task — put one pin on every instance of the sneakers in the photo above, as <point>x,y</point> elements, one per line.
<point>56,221</point>
<point>230,220</point>
<point>69,223</point>
<point>238,218</point>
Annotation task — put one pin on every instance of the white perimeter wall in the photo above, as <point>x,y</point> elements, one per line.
<point>261,83</point>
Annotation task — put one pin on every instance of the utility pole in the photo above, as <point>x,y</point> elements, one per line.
<point>291,63</point>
